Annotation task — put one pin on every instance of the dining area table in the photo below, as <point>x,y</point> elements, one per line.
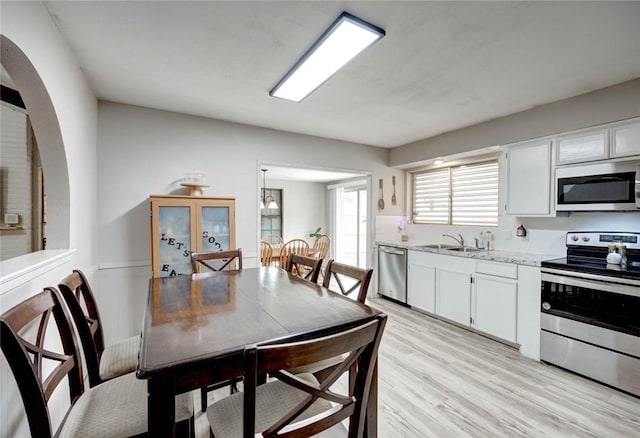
<point>196,327</point>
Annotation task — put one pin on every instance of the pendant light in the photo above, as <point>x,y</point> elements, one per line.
<point>267,201</point>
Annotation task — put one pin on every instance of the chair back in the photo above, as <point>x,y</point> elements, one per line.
<point>223,258</point>
<point>266,253</point>
<point>322,244</point>
<point>360,347</point>
<point>273,239</point>
<point>25,357</point>
<point>356,279</point>
<point>305,267</point>
<point>81,302</point>
<point>294,246</point>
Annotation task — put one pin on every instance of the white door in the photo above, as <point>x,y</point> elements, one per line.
<point>351,226</point>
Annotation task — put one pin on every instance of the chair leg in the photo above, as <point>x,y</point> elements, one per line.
<point>233,388</point>
<point>203,399</point>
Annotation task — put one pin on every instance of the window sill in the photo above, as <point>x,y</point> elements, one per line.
<point>23,269</point>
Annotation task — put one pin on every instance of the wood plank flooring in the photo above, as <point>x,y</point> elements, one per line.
<point>437,380</point>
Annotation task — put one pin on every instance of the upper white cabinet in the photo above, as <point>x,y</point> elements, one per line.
<point>625,139</point>
<point>528,174</point>
<point>614,140</point>
<point>587,145</point>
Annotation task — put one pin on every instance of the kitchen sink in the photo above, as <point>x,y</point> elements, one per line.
<point>438,246</point>
<point>449,247</point>
<point>464,249</point>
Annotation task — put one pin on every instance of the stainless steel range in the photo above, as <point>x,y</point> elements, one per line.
<point>591,309</point>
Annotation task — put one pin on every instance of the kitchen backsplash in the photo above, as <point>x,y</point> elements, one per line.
<point>544,235</point>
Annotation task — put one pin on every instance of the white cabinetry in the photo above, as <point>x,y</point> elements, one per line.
<point>481,294</point>
<point>453,295</point>
<point>625,139</point>
<point>421,281</point>
<point>495,299</point>
<point>528,184</point>
<point>613,140</point>
<point>585,145</point>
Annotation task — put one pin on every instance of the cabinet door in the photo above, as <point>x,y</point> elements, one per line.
<point>528,182</point>
<point>173,222</point>
<point>625,139</point>
<point>496,306</point>
<point>215,227</point>
<point>421,285</point>
<point>454,296</point>
<point>582,146</point>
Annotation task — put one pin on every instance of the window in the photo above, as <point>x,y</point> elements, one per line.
<point>271,218</point>
<point>461,195</point>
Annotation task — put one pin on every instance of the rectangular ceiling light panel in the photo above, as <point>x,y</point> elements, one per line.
<point>341,42</point>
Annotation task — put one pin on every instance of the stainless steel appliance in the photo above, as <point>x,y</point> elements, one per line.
<point>392,273</point>
<point>605,186</point>
<point>590,316</point>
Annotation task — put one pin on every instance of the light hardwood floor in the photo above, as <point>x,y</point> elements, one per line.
<point>437,380</point>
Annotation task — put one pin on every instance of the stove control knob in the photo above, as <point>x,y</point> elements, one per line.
<point>574,238</point>
<point>586,238</point>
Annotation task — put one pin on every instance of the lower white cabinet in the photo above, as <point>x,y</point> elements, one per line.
<point>421,286</point>
<point>453,295</point>
<point>495,302</point>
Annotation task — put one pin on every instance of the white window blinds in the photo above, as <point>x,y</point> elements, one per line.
<point>463,195</point>
<point>431,196</point>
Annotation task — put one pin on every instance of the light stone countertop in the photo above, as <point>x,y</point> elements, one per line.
<point>520,258</point>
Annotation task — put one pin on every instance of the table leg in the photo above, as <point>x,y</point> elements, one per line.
<point>161,408</point>
<point>371,425</point>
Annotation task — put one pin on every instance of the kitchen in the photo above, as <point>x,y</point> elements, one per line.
<point>107,139</point>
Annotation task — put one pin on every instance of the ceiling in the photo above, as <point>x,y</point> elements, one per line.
<point>440,67</point>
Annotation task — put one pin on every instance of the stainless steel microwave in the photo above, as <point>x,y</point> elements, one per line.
<point>605,186</point>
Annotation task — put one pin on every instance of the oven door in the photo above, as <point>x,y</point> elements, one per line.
<point>609,305</point>
<point>597,187</point>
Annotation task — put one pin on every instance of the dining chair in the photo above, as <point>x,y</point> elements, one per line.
<point>223,260</point>
<point>294,246</point>
<point>199,259</point>
<point>103,363</point>
<point>274,239</point>
<point>338,274</point>
<point>357,279</point>
<point>321,245</point>
<point>301,405</point>
<point>266,253</point>
<point>305,267</point>
<point>115,408</point>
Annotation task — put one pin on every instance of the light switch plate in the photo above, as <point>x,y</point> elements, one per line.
<point>11,218</point>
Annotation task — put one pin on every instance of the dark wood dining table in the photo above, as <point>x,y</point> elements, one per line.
<point>196,327</point>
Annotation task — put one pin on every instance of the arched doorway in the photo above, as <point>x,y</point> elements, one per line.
<point>46,128</point>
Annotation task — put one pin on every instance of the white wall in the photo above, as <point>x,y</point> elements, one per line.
<point>49,79</point>
<point>143,151</point>
<point>305,207</point>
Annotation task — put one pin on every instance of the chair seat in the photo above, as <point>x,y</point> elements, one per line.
<point>116,408</point>
<point>225,421</point>
<point>119,359</point>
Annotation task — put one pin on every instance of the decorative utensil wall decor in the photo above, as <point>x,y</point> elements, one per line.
<point>394,201</point>
<point>381,200</point>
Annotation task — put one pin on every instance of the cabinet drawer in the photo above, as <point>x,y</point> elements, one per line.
<point>507,270</point>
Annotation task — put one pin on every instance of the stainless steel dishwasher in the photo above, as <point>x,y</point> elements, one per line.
<point>392,273</point>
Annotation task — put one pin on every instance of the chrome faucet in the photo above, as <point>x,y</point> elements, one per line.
<point>460,241</point>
